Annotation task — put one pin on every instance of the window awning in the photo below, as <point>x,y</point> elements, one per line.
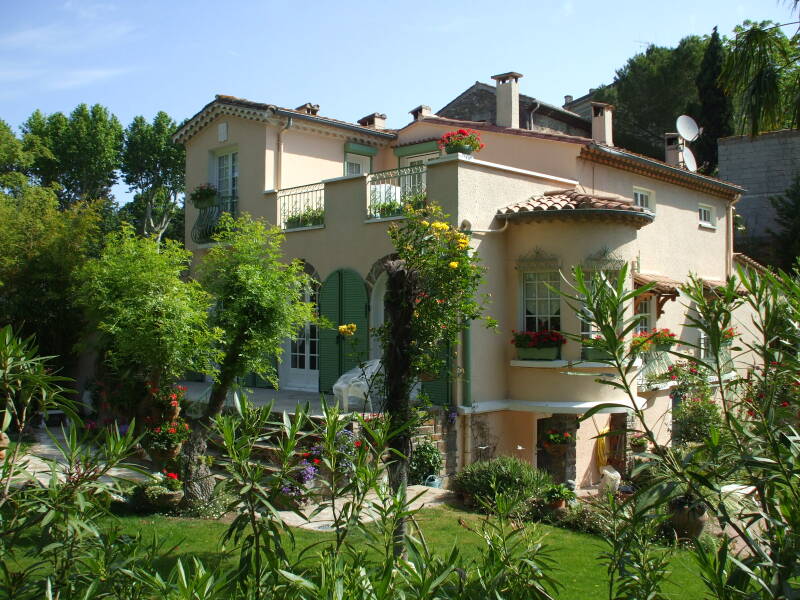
<point>663,289</point>
<point>555,407</point>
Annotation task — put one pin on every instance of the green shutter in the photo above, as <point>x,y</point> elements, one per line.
<point>355,307</point>
<point>342,300</point>
<point>330,309</point>
<point>438,390</point>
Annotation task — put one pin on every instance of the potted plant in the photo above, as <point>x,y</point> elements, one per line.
<point>659,339</point>
<point>558,495</point>
<point>593,350</point>
<point>310,217</point>
<point>163,442</point>
<point>728,336</point>
<point>164,491</point>
<point>638,442</point>
<point>538,345</point>
<point>167,401</point>
<point>556,442</point>
<point>687,516</point>
<point>463,141</point>
<point>204,195</point>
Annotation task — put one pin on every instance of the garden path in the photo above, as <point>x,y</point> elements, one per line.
<point>323,520</point>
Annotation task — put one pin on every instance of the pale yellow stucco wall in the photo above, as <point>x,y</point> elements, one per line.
<point>534,154</point>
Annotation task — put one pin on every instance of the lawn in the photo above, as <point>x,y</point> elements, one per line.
<point>576,554</point>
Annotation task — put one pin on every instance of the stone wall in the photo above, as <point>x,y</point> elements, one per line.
<point>480,104</point>
<point>765,166</point>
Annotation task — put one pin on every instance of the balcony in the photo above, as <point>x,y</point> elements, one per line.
<point>302,207</point>
<point>208,218</point>
<point>389,191</point>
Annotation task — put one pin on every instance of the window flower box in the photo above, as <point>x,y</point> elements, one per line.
<point>538,345</point>
<point>537,353</point>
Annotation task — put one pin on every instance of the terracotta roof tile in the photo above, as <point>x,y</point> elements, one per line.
<point>746,261</point>
<point>573,200</point>
<point>661,284</point>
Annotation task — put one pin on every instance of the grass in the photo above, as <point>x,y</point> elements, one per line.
<point>575,554</point>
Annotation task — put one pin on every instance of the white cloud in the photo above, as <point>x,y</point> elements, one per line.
<point>16,75</point>
<point>568,8</point>
<point>59,38</point>
<point>73,78</point>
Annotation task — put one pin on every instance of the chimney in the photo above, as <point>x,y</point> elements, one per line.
<point>567,100</point>
<point>376,120</point>
<point>602,129</point>
<point>673,149</point>
<point>421,112</point>
<point>507,99</point>
<point>308,109</point>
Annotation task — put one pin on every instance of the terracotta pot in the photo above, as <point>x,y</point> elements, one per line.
<point>5,441</point>
<point>164,455</point>
<point>688,520</point>
<point>556,504</point>
<point>427,376</point>
<point>171,412</point>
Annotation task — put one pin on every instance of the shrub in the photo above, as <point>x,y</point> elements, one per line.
<point>479,480</point>
<point>426,460</point>
<point>583,516</point>
<point>692,419</point>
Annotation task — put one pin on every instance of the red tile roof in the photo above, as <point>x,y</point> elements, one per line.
<point>571,200</point>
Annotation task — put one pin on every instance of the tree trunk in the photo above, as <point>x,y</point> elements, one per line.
<point>198,483</point>
<point>400,294</point>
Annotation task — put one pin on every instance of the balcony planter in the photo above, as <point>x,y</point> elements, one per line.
<point>592,354</point>
<point>459,149</point>
<point>537,353</point>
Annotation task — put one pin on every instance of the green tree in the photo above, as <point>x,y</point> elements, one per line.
<point>650,91</point>
<point>79,153</point>
<point>431,296</point>
<point>762,73</point>
<point>152,322</point>
<point>40,248</point>
<point>153,167</point>
<point>134,213</point>
<point>787,216</point>
<point>259,304</point>
<point>715,110</point>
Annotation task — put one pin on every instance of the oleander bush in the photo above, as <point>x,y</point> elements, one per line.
<point>479,481</point>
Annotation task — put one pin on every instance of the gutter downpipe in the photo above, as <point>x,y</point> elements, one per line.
<point>279,155</point>
<point>729,239</point>
<point>466,399</point>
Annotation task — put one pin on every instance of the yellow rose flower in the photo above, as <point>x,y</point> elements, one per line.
<point>453,265</point>
<point>425,223</point>
<point>440,225</point>
<point>347,330</point>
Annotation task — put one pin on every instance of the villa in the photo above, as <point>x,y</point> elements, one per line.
<point>549,191</point>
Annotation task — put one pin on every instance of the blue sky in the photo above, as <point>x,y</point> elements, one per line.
<point>351,58</point>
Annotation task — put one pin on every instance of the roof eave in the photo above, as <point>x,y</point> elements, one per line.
<point>641,218</point>
<point>729,189</point>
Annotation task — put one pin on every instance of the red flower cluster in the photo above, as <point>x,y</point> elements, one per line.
<point>538,339</point>
<point>171,475</point>
<point>452,140</point>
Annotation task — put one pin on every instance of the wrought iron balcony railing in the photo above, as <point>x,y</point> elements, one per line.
<point>302,206</point>
<point>208,218</point>
<point>389,191</point>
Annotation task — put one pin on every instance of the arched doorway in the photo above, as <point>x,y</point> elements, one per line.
<point>342,300</point>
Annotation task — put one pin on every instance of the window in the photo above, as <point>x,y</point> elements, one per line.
<point>706,216</point>
<point>228,179</point>
<point>644,310</point>
<point>644,198</point>
<point>356,164</point>
<point>305,347</point>
<point>542,306</point>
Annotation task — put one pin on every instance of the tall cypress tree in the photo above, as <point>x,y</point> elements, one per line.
<point>715,110</point>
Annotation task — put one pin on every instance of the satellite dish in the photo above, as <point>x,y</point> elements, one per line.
<point>687,128</point>
<point>688,160</point>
